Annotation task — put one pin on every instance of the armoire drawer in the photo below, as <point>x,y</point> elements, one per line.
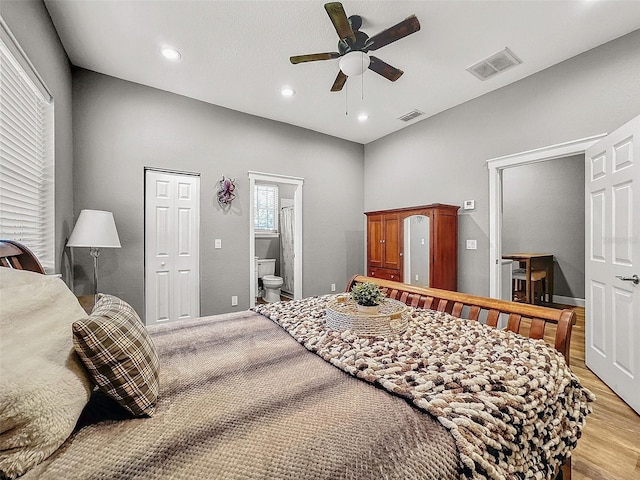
<point>386,273</point>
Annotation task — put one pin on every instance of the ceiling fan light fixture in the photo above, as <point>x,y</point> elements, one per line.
<point>354,63</point>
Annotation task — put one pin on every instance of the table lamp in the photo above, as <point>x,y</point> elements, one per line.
<point>95,229</point>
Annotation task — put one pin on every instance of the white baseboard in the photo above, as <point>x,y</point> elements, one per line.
<point>578,302</point>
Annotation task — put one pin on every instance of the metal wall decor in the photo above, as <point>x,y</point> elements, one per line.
<point>226,192</point>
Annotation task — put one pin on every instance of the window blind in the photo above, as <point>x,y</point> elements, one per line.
<point>265,209</point>
<point>26,155</point>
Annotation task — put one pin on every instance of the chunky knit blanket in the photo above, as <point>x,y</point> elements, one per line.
<point>512,405</point>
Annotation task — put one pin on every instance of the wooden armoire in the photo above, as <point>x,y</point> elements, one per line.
<point>386,241</point>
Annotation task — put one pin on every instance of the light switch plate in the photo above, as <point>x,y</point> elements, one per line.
<point>217,243</point>
<point>472,244</point>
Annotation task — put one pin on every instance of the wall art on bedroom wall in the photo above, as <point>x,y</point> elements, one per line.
<point>226,192</point>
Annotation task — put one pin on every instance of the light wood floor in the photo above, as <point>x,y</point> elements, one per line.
<point>610,443</point>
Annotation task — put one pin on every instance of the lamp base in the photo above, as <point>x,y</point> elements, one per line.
<point>95,253</point>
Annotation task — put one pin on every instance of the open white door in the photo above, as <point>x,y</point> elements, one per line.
<point>172,241</point>
<point>613,261</point>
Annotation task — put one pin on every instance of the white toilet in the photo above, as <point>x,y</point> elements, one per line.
<point>270,282</point>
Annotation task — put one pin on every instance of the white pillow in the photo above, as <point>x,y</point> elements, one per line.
<point>43,385</point>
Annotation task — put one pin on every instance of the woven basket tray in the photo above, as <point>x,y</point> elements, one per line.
<point>343,314</point>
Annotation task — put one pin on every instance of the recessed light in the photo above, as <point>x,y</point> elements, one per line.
<point>171,54</point>
<point>363,117</point>
<point>287,92</point>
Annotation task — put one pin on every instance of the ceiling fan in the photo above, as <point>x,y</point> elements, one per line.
<point>354,45</point>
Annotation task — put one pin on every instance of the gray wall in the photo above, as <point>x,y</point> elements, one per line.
<point>30,23</point>
<point>269,248</point>
<point>544,213</point>
<point>443,158</point>
<point>122,127</point>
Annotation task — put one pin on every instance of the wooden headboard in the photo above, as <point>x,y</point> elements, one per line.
<point>526,319</point>
<point>17,256</point>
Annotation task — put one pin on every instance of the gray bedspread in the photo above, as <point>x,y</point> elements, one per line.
<point>240,399</point>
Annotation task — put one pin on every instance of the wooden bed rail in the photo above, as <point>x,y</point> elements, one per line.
<point>455,302</point>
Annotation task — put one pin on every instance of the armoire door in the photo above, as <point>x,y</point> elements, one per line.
<point>375,238</point>
<point>391,241</point>
<point>172,233</point>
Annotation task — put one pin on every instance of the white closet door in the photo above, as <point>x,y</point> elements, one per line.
<point>172,232</point>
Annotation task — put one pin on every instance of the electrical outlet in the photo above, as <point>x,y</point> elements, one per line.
<point>333,287</point>
<point>417,277</point>
<point>234,301</point>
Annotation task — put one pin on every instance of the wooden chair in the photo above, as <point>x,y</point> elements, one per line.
<point>538,285</point>
<point>17,256</point>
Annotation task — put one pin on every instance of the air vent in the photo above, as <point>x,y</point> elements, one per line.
<point>496,63</point>
<point>407,117</point>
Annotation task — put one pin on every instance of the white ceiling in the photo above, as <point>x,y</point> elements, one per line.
<point>236,53</point>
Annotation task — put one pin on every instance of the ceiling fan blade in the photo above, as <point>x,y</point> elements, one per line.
<point>312,57</point>
<point>384,69</point>
<point>340,20</point>
<point>340,81</point>
<point>406,27</point>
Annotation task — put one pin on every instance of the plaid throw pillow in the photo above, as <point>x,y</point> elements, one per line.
<point>118,353</point>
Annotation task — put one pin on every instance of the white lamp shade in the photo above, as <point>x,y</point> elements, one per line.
<point>94,228</point>
<point>354,63</point>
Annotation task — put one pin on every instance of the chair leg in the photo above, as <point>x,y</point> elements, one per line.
<point>537,293</point>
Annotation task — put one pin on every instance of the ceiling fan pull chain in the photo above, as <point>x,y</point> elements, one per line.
<point>362,78</point>
<point>346,101</point>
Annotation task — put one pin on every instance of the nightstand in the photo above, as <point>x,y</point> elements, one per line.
<point>87,302</point>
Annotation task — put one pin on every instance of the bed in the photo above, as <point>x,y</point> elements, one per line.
<point>256,394</point>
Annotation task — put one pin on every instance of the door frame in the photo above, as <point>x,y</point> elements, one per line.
<point>496,167</point>
<point>297,219</point>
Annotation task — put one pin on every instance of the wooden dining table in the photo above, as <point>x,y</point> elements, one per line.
<point>532,262</point>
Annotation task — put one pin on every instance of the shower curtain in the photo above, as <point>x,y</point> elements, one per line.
<point>286,248</point>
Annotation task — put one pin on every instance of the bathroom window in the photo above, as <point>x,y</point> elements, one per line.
<point>265,209</point>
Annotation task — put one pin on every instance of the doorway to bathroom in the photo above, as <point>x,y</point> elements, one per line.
<point>275,235</point>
